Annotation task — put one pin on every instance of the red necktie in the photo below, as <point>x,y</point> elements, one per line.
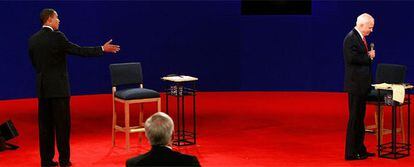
<point>365,43</point>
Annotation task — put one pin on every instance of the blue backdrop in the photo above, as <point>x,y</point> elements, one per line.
<point>208,39</point>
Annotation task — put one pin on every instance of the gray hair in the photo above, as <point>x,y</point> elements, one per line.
<point>159,129</point>
<point>364,18</point>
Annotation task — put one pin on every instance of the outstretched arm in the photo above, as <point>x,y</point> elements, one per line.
<point>74,49</point>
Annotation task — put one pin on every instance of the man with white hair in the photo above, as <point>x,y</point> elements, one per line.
<point>159,130</point>
<point>358,59</point>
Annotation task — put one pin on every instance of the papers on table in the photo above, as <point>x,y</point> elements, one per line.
<point>179,78</point>
<point>398,90</point>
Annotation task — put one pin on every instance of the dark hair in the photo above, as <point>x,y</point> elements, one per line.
<point>45,14</point>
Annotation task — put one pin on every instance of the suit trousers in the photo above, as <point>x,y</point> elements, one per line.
<point>356,128</point>
<point>54,120</point>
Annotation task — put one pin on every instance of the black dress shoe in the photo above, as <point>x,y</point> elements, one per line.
<point>65,164</point>
<point>49,164</point>
<point>368,154</point>
<point>356,157</point>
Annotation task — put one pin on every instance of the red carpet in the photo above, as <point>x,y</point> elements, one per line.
<point>234,129</point>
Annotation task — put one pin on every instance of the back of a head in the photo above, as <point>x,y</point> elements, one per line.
<point>159,129</point>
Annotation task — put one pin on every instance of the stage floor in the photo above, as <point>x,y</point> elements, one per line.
<point>233,129</point>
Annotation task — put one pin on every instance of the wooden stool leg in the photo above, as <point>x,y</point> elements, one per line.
<point>381,131</point>
<point>159,105</point>
<point>376,123</point>
<point>113,123</point>
<point>141,116</point>
<point>127,128</point>
<point>402,123</point>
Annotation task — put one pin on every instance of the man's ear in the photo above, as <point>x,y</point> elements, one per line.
<point>49,20</point>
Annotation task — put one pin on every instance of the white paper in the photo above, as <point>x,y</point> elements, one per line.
<point>180,78</point>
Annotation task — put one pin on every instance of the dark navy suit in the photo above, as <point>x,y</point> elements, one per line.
<point>358,84</point>
<point>162,156</point>
<point>48,50</point>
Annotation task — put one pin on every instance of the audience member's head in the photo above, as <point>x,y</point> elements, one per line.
<point>159,129</point>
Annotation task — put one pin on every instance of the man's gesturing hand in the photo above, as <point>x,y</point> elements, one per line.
<point>108,47</point>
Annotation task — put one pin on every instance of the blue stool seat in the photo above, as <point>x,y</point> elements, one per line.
<point>136,93</point>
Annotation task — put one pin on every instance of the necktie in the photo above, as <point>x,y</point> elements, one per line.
<point>365,43</point>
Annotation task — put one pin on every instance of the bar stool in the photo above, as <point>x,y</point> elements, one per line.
<point>123,74</point>
<point>392,74</point>
<point>380,134</point>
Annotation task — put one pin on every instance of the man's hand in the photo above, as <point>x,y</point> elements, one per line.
<point>108,47</point>
<point>371,54</point>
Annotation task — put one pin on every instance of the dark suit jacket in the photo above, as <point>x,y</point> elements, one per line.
<point>357,65</point>
<point>47,51</point>
<point>162,156</point>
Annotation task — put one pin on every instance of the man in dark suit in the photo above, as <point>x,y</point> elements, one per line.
<point>47,50</point>
<point>357,83</point>
<point>159,130</point>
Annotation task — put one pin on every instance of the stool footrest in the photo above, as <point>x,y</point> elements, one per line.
<point>132,129</point>
<point>384,131</point>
